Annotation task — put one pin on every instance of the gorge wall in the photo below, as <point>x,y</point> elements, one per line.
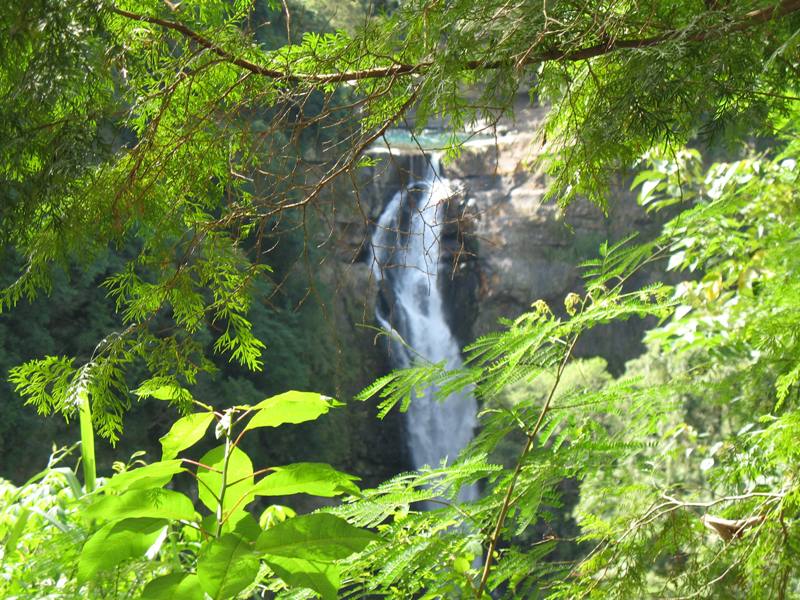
<point>504,245</point>
<point>503,248</point>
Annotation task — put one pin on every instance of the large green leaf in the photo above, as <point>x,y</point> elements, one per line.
<point>117,542</point>
<point>239,473</point>
<point>322,577</point>
<point>185,433</point>
<point>317,479</point>
<point>15,531</point>
<point>290,407</point>
<point>247,527</point>
<point>150,476</point>
<point>317,537</point>
<point>154,502</point>
<point>228,565</point>
<point>175,586</point>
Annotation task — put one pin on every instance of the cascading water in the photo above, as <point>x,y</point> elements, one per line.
<point>406,249</point>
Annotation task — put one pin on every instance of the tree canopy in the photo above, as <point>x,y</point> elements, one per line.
<point>174,125</point>
<point>191,134</point>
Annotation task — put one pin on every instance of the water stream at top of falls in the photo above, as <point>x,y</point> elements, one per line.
<point>406,247</point>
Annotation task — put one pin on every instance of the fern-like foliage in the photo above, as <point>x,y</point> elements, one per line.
<point>541,441</point>
<point>682,472</point>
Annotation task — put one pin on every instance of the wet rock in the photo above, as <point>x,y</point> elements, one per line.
<point>503,246</point>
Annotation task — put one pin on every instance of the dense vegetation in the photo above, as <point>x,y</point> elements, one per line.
<point>159,150</point>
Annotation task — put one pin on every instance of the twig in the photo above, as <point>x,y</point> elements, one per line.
<point>506,506</point>
<point>749,20</point>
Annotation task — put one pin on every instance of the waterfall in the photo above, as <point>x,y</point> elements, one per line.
<point>406,261</point>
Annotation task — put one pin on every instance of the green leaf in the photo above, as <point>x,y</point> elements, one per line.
<point>117,542</point>
<point>290,407</point>
<point>150,476</point>
<point>643,176</point>
<point>275,514</point>
<point>171,393</point>
<point>175,586</point>
<point>317,479</point>
<point>228,565</point>
<point>87,442</point>
<point>10,544</point>
<point>209,524</point>
<point>247,527</point>
<point>676,260</point>
<point>185,433</point>
<point>239,478</point>
<point>322,577</point>
<point>155,503</point>
<point>316,537</point>
<point>461,565</point>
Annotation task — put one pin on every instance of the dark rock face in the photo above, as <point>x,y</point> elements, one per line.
<point>519,249</point>
<point>460,273</point>
<point>504,247</point>
<point>359,443</point>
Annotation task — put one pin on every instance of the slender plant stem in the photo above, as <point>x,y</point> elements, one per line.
<point>223,485</point>
<point>201,465</point>
<point>507,500</point>
<point>173,545</point>
<point>87,443</point>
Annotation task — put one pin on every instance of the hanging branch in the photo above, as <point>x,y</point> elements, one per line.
<point>748,21</point>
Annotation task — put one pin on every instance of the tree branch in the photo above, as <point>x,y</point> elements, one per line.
<point>377,73</point>
<point>749,20</point>
<point>508,498</point>
<point>201,41</point>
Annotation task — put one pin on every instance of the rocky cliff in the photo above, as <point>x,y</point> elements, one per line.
<point>504,246</point>
<point>520,248</point>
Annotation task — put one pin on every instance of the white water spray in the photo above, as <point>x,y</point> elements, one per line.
<point>406,257</point>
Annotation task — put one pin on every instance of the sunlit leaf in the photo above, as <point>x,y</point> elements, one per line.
<point>184,433</point>
<point>227,566</point>
<point>316,479</point>
<point>154,503</point>
<point>315,537</point>
<point>175,586</point>
<point>238,479</point>
<point>275,514</point>
<point>290,407</point>
<point>117,542</point>
<point>150,476</point>
<point>322,577</point>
